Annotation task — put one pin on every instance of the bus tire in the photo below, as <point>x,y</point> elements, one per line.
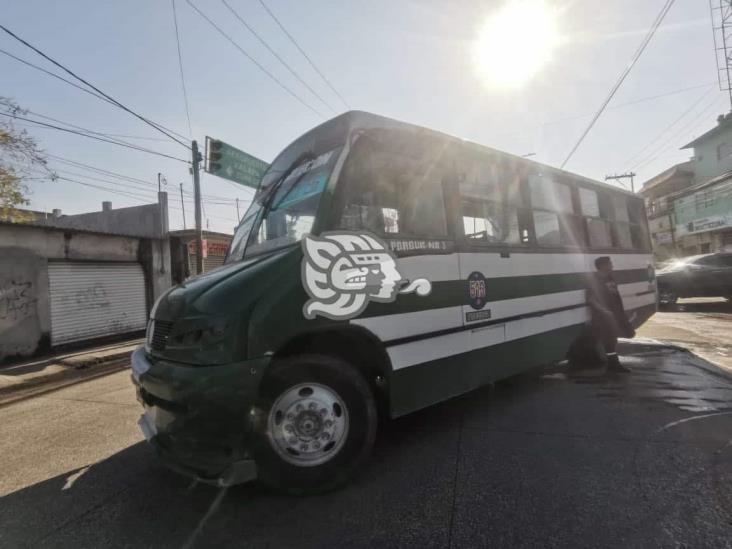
<point>317,424</point>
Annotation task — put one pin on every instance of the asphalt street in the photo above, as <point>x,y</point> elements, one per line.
<point>703,325</point>
<point>546,459</point>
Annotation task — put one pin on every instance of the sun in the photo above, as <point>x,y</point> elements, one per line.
<point>516,42</point>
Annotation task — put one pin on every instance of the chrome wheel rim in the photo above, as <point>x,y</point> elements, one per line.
<point>308,424</point>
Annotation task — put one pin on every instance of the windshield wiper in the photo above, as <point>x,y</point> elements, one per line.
<point>267,200</point>
<point>308,155</point>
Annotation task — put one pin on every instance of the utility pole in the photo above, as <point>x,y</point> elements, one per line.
<point>182,206</point>
<point>197,199</point>
<point>627,175</point>
<point>238,217</point>
<point>161,179</point>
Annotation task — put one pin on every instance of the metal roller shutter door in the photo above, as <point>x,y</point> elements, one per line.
<point>95,299</point>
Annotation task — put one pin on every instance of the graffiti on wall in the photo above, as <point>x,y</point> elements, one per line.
<point>16,300</point>
<point>17,317</point>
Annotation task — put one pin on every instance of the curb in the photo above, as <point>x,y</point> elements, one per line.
<point>75,371</point>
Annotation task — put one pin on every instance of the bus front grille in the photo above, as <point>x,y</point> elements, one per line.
<point>161,330</point>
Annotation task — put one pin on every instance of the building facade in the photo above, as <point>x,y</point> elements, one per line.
<point>71,279</point>
<point>689,206</point>
<point>183,252</point>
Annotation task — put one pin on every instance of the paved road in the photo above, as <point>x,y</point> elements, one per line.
<point>547,459</point>
<point>703,325</point>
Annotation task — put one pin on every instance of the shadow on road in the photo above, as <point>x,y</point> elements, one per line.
<point>538,460</point>
<point>130,499</point>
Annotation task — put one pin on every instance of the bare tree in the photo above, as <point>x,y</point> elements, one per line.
<point>21,160</point>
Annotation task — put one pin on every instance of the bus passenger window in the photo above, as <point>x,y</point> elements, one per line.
<point>546,225</point>
<point>588,203</point>
<point>483,221</point>
<point>599,231</point>
<point>638,233</point>
<point>386,192</point>
<point>622,236</point>
<point>549,195</point>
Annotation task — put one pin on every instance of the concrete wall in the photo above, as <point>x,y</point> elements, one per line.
<point>24,310</point>
<point>706,164</point>
<point>24,296</point>
<point>148,221</point>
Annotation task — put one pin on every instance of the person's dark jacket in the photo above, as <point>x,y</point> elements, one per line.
<point>603,290</point>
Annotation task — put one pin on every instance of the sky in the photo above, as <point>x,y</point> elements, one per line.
<point>413,60</point>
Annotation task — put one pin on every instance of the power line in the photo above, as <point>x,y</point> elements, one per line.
<point>117,103</point>
<point>632,102</point>
<point>664,147</point>
<point>662,132</point>
<point>305,55</point>
<point>213,199</point>
<point>621,79</point>
<point>103,134</point>
<point>69,82</point>
<point>85,90</point>
<point>91,136</point>
<point>257,63</point>
<point>288,67</point>
<point>180,66</point>
<point>135,196</point>
<point>136,187</point>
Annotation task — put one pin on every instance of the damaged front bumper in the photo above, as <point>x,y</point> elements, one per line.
<point>199,419</point>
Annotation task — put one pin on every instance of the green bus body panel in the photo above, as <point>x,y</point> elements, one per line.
<point>419,386</point>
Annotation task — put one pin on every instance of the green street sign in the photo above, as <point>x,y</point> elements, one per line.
<point>230,163</point>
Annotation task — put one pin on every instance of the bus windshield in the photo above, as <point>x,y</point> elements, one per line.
<point>284,211</point>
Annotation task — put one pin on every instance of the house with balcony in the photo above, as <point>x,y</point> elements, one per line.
<point>689,205</point>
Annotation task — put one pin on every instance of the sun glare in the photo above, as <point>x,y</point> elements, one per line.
<point>516,42</point>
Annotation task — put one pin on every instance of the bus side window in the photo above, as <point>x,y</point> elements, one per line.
<point>638,233</point>
<point>594,208</point>
<point>488,215</point>
<point>552,211</point>
<point>385,192</point>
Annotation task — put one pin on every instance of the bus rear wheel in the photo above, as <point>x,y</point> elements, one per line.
<point>317,426</point>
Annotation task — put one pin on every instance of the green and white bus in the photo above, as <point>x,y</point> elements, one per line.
<point>381,268</point>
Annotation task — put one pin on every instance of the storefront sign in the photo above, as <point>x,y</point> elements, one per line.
<point>705,224</point>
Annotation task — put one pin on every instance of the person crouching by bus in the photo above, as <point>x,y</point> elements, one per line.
<point>609,320</point>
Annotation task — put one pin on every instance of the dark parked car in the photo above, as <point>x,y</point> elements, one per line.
<point>708,275</point>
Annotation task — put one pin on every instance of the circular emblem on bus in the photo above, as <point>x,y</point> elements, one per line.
<point>476,290</point>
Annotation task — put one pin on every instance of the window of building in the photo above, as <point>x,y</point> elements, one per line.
<point>723,150</point>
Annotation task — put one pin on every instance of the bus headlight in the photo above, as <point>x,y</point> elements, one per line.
<point>199,333</point>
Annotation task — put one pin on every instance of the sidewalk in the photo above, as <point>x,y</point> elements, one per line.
<point>20,381</point>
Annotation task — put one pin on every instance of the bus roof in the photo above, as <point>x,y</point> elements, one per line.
<point>365,120</point>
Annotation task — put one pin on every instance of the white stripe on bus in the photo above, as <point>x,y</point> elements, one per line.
<point>440,268</point>
<point>425,350</point>
<point>400,325</point>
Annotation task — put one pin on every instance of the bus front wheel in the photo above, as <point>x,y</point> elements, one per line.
<point>318,424</point>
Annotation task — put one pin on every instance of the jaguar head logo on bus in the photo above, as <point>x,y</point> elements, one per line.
<point>343,271</point>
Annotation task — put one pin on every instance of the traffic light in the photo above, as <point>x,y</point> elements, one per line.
<point>214,155</point>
